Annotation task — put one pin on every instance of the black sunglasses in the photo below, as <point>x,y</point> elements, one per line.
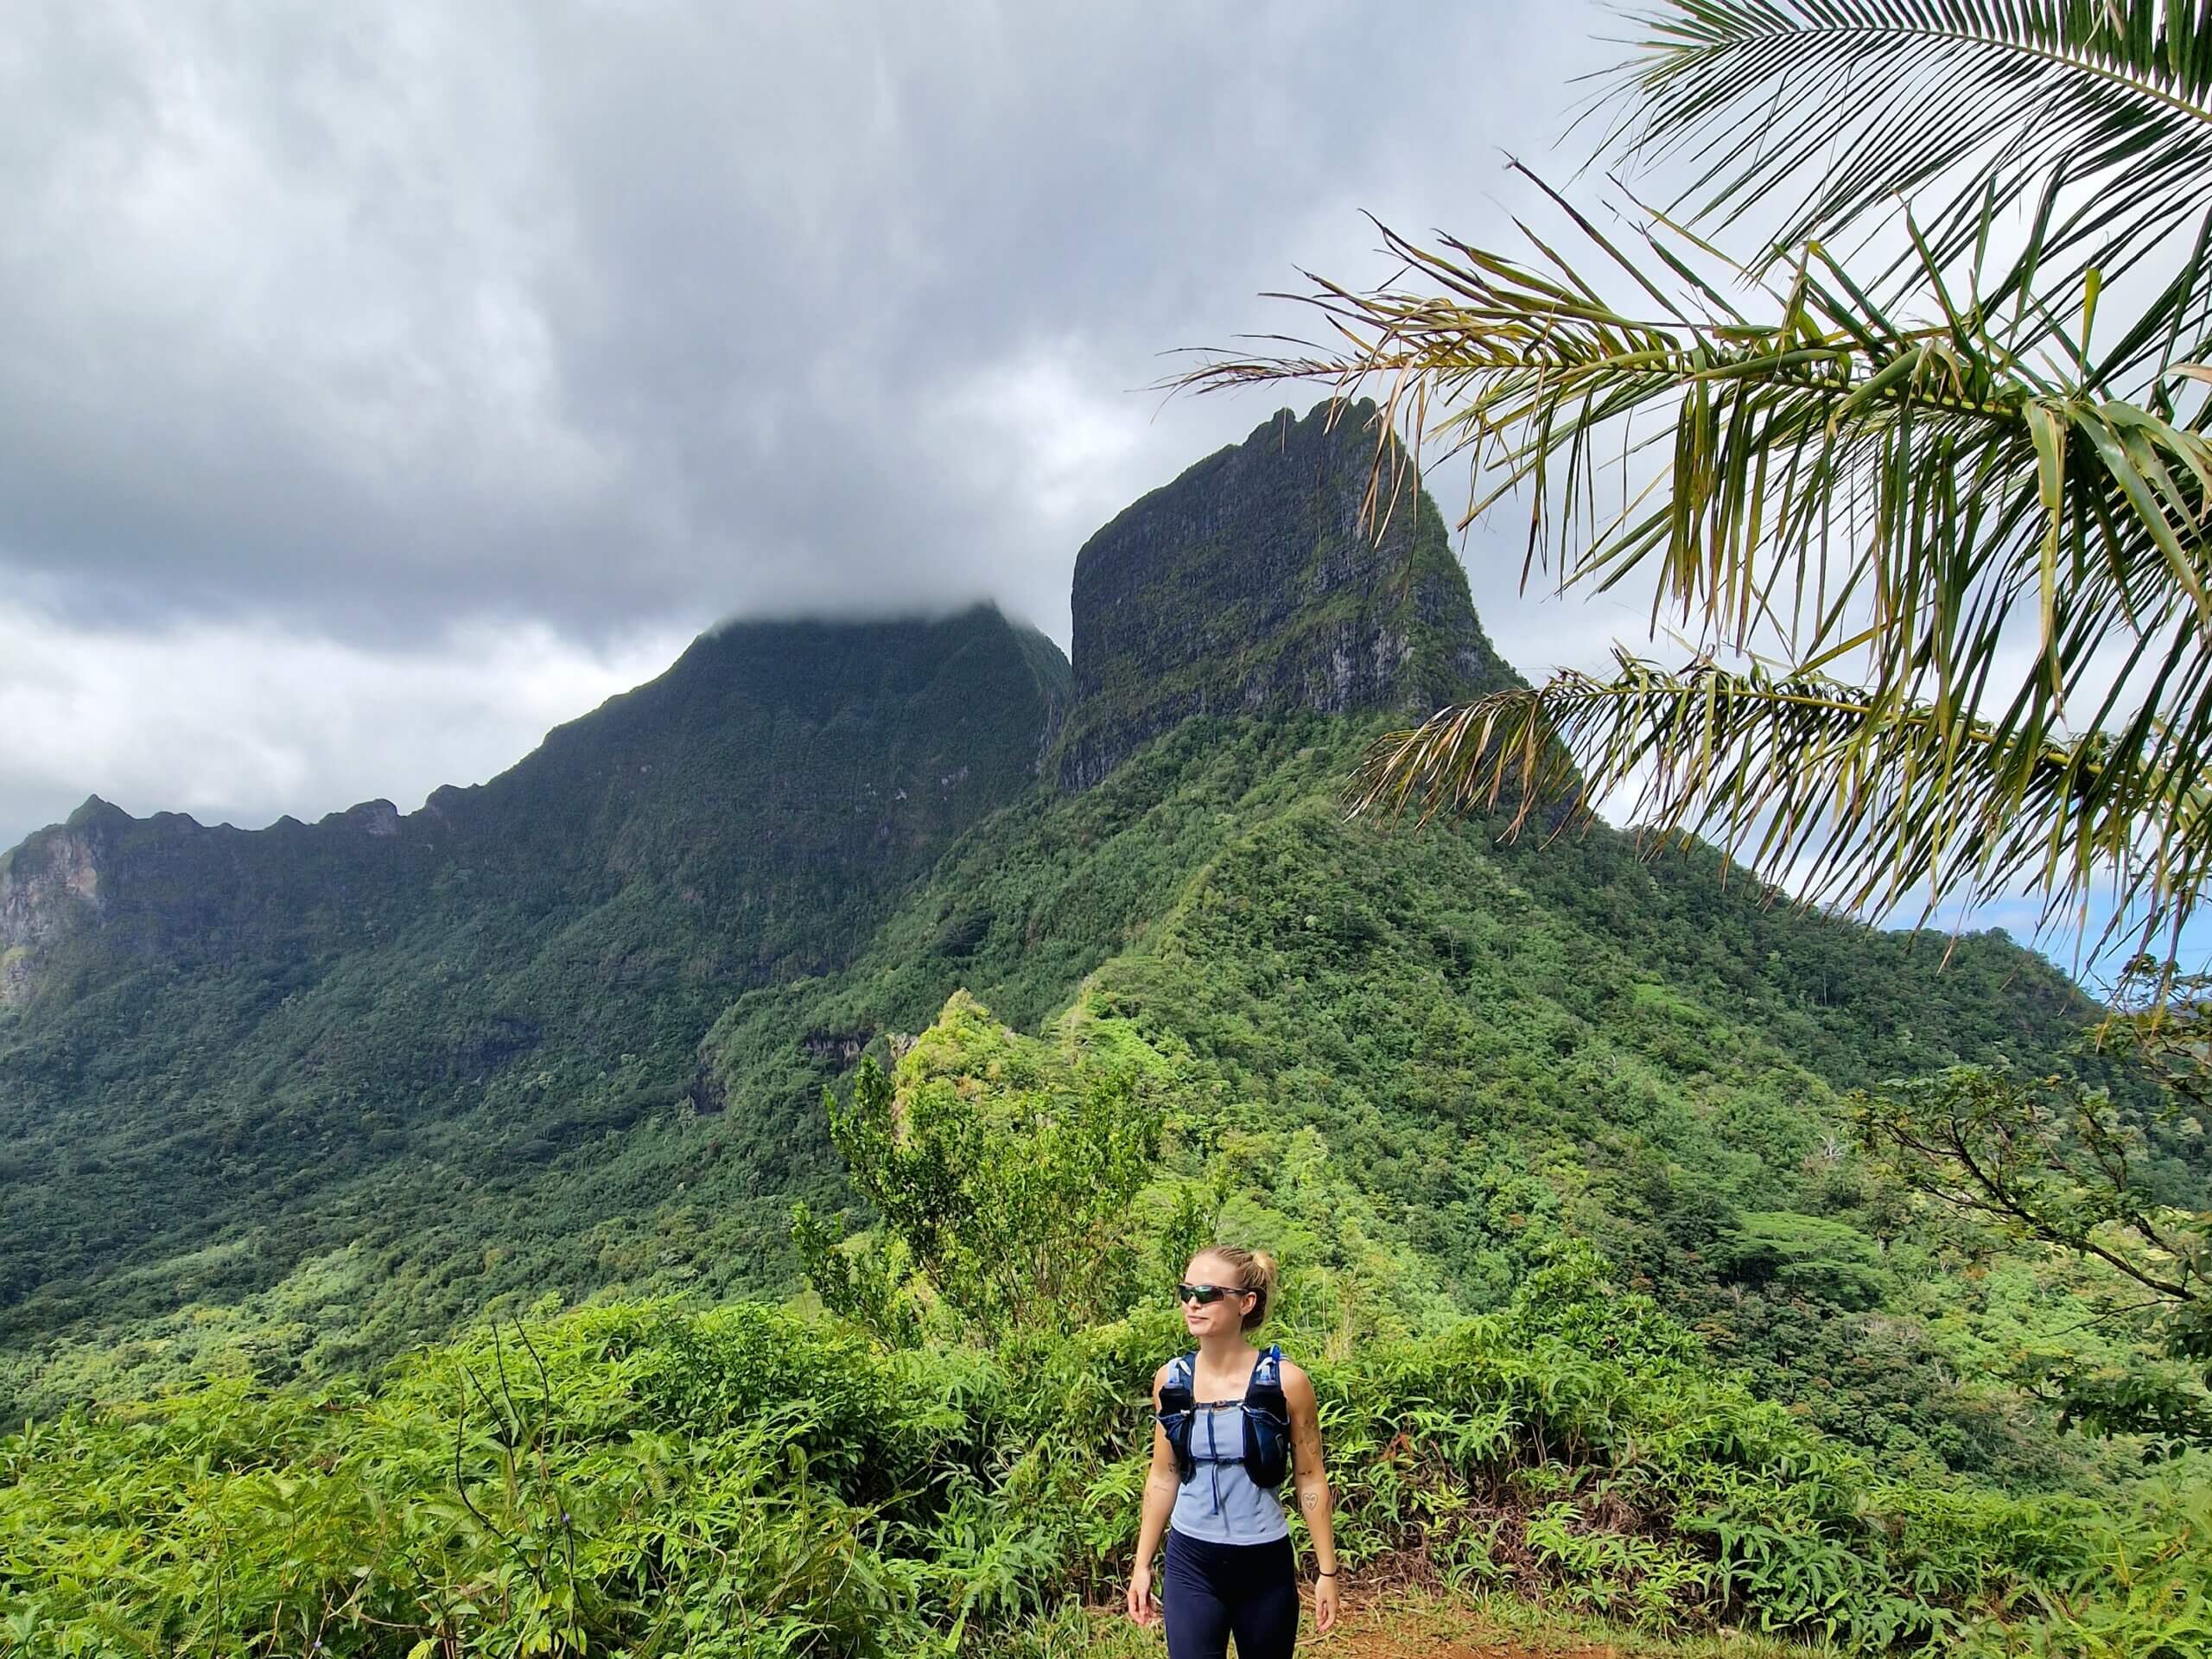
<point>1205,1295</point>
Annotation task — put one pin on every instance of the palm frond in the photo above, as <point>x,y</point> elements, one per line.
<point>1829,111</point>
<point>1831,480</point>
<point>1861,799</point>
<point>1829,474</point>
<point>1944,478</point>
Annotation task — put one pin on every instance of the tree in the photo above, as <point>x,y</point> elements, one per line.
<point>1931,514</point>
<point>1004,1173</point>
<point>2060,1163</point>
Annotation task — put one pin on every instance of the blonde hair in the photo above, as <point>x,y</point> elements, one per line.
<point>1255,1272</point>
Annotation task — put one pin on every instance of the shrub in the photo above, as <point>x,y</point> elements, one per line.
<point>743,1481</point>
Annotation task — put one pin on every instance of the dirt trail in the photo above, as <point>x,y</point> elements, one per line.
<point>1385,1631</point>
<point>1353,1643</point>
<point>1403,1622</point>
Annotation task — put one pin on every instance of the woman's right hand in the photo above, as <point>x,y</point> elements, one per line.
<point>1141,1611</point>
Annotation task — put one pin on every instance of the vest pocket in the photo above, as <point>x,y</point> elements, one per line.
<point>1176,1425</point>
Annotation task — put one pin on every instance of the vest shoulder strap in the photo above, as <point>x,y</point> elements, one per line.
<point>1267,1422</point>
<point>1177,1390</point>
<point>1266,1373</point>
<point>1177,1406</point>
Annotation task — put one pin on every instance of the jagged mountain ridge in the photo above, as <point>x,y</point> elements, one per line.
<point>206,1012</point>
<point>568,1029</point>
<point>1253,584</point>
<point>772,764</point>
<point>524,964</point>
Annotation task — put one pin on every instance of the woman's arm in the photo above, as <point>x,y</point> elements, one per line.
<point>1313,1501</point>
<point>1159,1484</point>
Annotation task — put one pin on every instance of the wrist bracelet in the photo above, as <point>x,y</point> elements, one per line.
<point>1330,1574</point>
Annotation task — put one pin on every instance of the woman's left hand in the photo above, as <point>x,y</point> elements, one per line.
<point>1325,1602</point>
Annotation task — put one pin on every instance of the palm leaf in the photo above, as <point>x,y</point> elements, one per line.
<point>1916,487</point>
<point>1828,112</point>
<point>1951,481</point>
<point>1864,797</point>
<point>1965,454</point>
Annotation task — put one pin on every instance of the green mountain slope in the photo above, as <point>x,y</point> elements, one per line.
<point>236,1049</point>
<point>1488,1050</point>
<point>293,1102</point>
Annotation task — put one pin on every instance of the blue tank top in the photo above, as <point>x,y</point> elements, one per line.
<point>1219,1503</point>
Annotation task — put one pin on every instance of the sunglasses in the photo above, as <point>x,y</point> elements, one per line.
<point>1205,1295</point>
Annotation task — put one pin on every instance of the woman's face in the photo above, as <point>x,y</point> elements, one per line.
<point>1205,1318</point>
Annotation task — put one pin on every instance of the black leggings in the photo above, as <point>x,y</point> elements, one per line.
<point>1210,1591</point>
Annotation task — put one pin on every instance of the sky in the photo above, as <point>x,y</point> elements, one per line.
<point>381,383</point>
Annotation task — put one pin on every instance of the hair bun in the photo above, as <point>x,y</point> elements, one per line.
<point>1255,1271</point>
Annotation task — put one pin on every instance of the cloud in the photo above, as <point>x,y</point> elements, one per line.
<point>338,344</point>
<point>370,316</point>
<point>382,384</point>
<point>233,723</point>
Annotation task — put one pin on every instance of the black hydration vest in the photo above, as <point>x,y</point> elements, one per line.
<point>1266,1456</point>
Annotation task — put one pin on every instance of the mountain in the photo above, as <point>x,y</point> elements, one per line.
<point>1254,585</point>
<point>292,1100</point>
<point>209,1032</point>
<point>779,776</point>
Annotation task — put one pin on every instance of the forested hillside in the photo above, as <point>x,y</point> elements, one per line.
<point>953,1465</point>
<point>284,1102</point>
<point>225,1054</point>
<point>1606,1302</point>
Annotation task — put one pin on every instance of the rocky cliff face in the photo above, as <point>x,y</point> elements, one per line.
<point>780,773</point>
<point>49,891</point>
<point>1252,585</point>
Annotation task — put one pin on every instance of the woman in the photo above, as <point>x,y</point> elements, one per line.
<point>1218,1441</point>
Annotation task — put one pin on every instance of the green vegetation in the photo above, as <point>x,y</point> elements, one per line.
<point>307,1095</point>
<point>2053,1161</point>
<point>1449,1057</point>
<point>642,1479</point>
<point>1004,1178</point>
<point>1429,1071</point>
<point>709,1191</point>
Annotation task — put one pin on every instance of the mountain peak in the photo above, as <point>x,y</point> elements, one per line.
<point>1256,583</point>
<point>785,778</point>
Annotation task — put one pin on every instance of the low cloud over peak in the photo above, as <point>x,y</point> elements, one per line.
<point>378,314</point>
<point>378,328</point>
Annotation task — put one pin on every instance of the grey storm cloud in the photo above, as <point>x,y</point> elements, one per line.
<point>382,381</point>
<point>372,318</point>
